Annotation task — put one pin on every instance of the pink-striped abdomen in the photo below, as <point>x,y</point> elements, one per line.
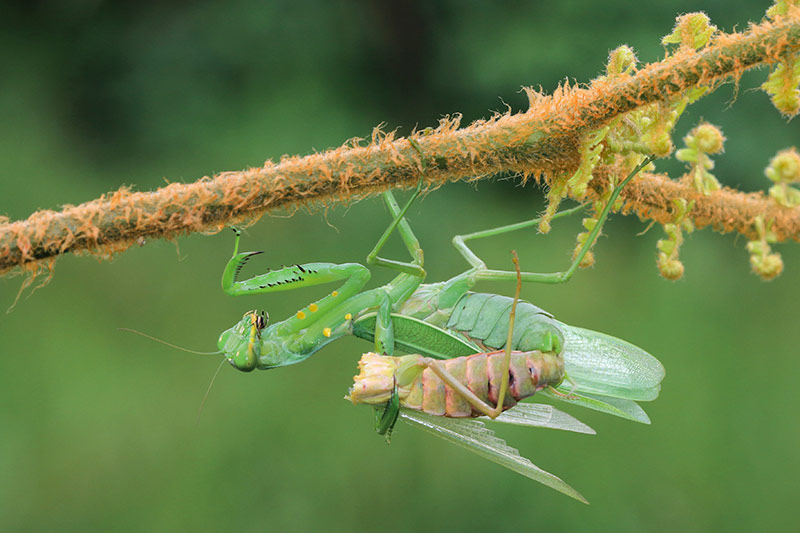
<point>529,372</point>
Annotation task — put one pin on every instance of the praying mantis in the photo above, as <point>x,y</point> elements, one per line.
<point>443,320</point>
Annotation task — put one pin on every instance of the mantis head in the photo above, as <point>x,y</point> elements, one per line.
<point>241,344</point>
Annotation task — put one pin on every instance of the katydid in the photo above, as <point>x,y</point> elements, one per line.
<point>439,320</point>
<point>442,396</point>
<point>437,395</point>
<point>419,384</point>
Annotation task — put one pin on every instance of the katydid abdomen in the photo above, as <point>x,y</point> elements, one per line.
<point>596,362</point>
<point>602,372</point>
<point>420,389</point>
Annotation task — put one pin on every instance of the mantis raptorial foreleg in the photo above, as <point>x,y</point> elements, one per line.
<point>482,273</point>
<point>313,326</point>
<point>320,318</point>
<point>291,277</point>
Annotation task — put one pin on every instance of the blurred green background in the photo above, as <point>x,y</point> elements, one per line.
<point>99,426</point>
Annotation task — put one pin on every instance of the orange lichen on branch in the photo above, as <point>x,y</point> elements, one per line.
<point>544,142</point>
<point>652,197</point>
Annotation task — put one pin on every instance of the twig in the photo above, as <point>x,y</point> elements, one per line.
<point>542,142</point>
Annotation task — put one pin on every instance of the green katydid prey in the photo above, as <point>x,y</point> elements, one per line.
<point>442,320</point>
<point>437,395</point>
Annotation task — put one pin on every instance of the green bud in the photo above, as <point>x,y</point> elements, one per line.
<point>780,8</point>
<point>687,155</point>
<point>620,60</point>
<point>693,30</point>
<point>784,167</point>
<point>709,138</point>
<point>757,247</point>
<point>782,86</point>
<point>661,145</point>
<point>768,267</point>
<point>671,269</point>
<point>665,245</point>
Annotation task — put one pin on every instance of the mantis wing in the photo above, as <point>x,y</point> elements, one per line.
<point>613,406</point>
<point>412,335</point>
<point>607,374</point>
<point>603,365</point>
<point>476,437</point>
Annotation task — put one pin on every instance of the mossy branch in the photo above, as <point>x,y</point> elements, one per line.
<point>652,196</point>
<point>544,142</point>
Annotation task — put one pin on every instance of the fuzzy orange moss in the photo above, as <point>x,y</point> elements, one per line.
<point>543,142</point>
<point>650,197</point>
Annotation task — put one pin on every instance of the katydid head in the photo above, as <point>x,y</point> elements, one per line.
<point>241,344</point>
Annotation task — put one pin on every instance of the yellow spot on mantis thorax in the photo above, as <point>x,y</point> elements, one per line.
<point>335,294</point>
<point>312,307</point>
<point>326,332</point>
<point>301,315</point>
<point>348,316</point>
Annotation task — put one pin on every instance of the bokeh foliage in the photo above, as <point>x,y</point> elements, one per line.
<point>99,425</point>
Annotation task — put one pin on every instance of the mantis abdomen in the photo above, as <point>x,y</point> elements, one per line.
<point>419,388</point>
<point>484,318</point>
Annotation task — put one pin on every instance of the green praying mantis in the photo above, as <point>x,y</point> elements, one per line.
<point>442,321</point>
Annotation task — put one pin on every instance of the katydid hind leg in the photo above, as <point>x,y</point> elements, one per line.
<point>439,368</point>
<point>504,372</point>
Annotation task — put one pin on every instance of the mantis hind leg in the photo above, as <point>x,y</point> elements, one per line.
<point>415,266</point>
<point>482,273</point>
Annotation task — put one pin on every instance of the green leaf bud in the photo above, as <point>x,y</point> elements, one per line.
<point>784,167</point>
<point>693,30</point>
<point>709,138</point>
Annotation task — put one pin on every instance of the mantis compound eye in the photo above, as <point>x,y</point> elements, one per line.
<point>256,319</point>
<point>260,319</point>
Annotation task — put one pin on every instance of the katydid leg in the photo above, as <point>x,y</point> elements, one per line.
<point>386,418</point>
<point>478,404</point>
